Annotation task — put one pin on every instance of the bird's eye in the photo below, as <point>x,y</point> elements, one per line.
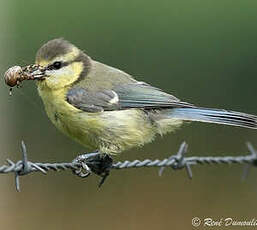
<point>57,65</point>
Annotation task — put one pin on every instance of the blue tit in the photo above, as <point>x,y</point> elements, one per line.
<point>106,109</point>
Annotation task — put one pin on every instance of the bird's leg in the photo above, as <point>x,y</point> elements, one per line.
<point>96,162</point>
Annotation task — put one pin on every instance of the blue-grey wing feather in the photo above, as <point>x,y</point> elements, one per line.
<point>141,95</point>
<point>91,101</point>
<point>124,96</point>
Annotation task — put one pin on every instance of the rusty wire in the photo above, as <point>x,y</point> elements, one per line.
<point>176,161</point>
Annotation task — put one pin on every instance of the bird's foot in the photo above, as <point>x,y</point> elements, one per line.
<point>97,163</point>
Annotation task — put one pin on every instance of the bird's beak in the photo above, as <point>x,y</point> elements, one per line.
<point>35,72</point>
<point>16,74</point>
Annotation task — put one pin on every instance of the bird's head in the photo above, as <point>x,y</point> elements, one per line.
<point>61,64</point>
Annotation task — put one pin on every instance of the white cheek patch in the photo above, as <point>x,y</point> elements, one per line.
<point>59,78</point>
<point>66,70</point>
<point>115,99</point>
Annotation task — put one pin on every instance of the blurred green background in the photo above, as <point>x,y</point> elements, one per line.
<point>202,51</point>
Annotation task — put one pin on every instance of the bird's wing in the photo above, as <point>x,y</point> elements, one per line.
<point>125,96</point>
<point>142,95</point>
<point>92,101</point>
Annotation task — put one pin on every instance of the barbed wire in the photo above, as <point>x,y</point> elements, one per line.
<point>86,164</point>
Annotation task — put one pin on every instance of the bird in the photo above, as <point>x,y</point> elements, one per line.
<point>108,110</point>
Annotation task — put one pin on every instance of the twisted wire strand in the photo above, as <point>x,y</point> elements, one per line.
<point>190,160</point>
<point>177,161</point>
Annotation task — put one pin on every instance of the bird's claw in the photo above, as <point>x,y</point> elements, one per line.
<point>97,163</point>
<point>83,171</point>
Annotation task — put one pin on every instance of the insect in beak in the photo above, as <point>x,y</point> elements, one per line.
<point>16,74</point>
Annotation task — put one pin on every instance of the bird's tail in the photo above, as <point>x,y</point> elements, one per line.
<point>217,116</point>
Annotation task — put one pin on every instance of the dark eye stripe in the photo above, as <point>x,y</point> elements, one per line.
<point>80,58</point>
<point>57,65</point>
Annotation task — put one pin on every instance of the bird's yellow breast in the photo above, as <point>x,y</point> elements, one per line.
<point>67,118</point>
<point>109,131</point>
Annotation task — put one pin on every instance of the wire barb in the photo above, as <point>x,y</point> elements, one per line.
<point>101,164</point>
<point>247,167</point>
